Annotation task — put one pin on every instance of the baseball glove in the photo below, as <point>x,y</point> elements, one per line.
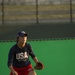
<point>39,66</point>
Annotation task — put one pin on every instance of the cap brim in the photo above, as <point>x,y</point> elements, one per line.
<point>23,35</point>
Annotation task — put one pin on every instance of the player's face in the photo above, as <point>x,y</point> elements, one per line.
<point>23,39</point>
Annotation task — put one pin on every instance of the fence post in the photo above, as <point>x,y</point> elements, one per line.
<point>3,12</point>
<point>37,12</point>
<point>71,18</point>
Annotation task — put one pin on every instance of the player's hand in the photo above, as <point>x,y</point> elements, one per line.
<point>39,66</point>
<point>15,73</point>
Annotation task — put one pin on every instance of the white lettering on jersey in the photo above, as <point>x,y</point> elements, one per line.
<point>21,56</point>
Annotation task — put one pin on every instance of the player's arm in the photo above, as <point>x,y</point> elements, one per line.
<point>9,63</point>
<point>13,71</point>
<point>35,60</point>
<point>31,53</point>
<point>11,68</point>
<point>39,65</point>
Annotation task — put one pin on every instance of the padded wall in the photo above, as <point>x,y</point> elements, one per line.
<point>58,56</point>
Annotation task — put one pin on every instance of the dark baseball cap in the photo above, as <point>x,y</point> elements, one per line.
<point>21,34</point>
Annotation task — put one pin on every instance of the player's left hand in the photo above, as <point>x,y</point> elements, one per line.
<point>39,66</point>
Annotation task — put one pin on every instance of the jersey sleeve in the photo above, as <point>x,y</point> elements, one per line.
<point>10,57</point>
<point>31,53</point>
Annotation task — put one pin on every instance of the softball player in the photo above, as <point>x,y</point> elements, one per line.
<point>18,57</point>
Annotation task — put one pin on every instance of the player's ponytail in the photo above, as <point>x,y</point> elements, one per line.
<point>17,39</point>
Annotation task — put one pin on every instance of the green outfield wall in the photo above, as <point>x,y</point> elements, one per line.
<point>58,56</point>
